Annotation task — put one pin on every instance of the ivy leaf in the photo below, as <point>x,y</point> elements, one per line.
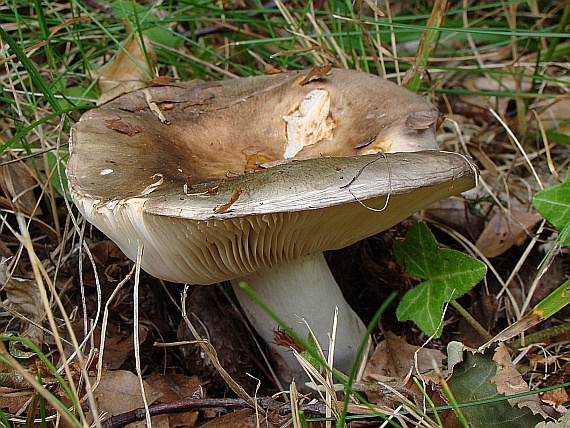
<point>554,205</point>
<point>448,274</point>
<point>486,378</point>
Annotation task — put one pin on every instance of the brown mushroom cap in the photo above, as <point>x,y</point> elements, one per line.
<point>235,126</point>
<point>194,191</point>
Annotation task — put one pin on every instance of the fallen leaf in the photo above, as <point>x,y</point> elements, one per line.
<point>174,387</point>
<point>123,127</point>
<point>555,116</point>
<point>510,382</point>
<point>158,421</point>
<point>118,349</point>
<point>456,214</point>
<point>119,392</point>
<point>5,251</point>
<point>270,69</point>
<point>14,399</point>
<point>24,299</point>
<point>129,71</point>
<point>563,422</point>
<point>184,419</point>
<point>394,359</point>
<point>317,72</point>
<point>17,184</point>
<point>557,398</point>
<point>244,418</point>
<point>505,229</point>
<point>504,83</point>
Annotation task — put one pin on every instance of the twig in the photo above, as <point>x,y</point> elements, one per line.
<point>472,321</point>
<point>542,335</point>
<point>267,403</point>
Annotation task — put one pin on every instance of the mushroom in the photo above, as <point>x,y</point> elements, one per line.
<point>252,179</point>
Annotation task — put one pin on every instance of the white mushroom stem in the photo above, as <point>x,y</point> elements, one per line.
<point>303,289</point>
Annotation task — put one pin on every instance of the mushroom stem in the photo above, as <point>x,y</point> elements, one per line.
<point>302,289</point>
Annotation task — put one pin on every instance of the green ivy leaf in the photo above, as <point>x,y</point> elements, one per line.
<point>474,380</point>
<point>554,205</point>
<point>448,274</point>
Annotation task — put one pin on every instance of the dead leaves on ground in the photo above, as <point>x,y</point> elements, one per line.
<point>470,374</point>
<point>130,70</point>
<point>505,229</point>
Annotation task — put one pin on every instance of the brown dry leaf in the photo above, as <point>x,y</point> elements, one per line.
<point>496,84</point>
<point>509,382</point>
<point>158,421</point>
<point>18,184</point>
<point>119,392</point>
<point>162,80</point>
<point>24,300</point>
<point>118,349</point>
<point>185,419</point>
<point>109,261</point>
<point>123,127</point>
<point>394,358</point>
<point>422,119</point>
<point>556,398</point>
<point>317,72</point>
<point>563,422</point>
<point>5,251</point>
<point>506,229</point>
<point>454,213</point>
<point>123,75</point>
<point>270,69</point>
<point>175,387</point>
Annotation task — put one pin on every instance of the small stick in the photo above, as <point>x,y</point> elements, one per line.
<point>472,321</point>
<point>187,404</point>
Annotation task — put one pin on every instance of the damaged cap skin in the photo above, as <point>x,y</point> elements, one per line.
<point>252,179</point>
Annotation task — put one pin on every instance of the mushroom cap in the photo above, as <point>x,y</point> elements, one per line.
<point>194,191</point>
